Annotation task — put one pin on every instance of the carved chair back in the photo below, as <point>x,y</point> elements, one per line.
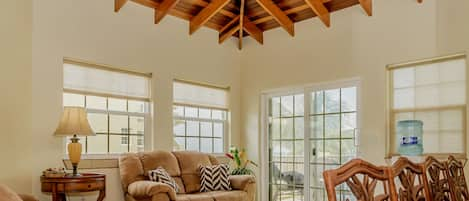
<point>409,181</point>
<point>457,180</point>
<point>364,180</point>
<point>437,179</point>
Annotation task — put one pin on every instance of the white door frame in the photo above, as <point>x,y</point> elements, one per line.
<point>264,118</point>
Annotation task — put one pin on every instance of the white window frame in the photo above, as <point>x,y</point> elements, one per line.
<point>148,117</point>
<point>390,138</point>
<point>226,121</point>
<point>264,123</point>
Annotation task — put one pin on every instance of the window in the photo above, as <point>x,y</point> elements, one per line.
<point>200,117</point>
<point>433,91</point>
<point>117,102</point>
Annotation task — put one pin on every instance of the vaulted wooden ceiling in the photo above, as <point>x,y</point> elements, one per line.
<point>241,18</point>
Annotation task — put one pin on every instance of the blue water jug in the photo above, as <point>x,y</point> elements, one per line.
<point>410,137</point>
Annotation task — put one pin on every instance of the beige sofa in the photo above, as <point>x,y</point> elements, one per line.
<point>6,194</point>
<point>184,168</point>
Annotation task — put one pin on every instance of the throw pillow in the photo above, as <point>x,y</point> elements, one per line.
<point>161,175</point>
<point>215,178</point>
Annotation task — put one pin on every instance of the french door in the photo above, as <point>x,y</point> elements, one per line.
<point>309,131</point>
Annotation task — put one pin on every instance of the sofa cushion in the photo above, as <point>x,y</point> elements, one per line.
<point>214,196</point>
<point>189,162</point>
<point>131,169</point>
<point>164,159</point>
<point>215,178</point>
<point>178,181</point>
<point>160,175</point>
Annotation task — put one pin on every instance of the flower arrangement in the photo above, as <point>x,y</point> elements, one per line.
<point>240,161</point>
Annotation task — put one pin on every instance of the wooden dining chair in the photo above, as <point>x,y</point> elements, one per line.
<point>409,180</point>
<point>362,178</point>
<point>437,180</point>
<point>457,181</point>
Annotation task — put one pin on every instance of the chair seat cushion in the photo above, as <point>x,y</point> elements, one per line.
<point>214,196</point>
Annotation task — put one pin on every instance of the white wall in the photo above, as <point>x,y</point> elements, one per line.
<point>355,46</point>
<point>90,30</point>
<point>15,85</point>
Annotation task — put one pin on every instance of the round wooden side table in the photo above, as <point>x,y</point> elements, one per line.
<point>86,182</point>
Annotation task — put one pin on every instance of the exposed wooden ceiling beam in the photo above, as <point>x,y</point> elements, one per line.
<point>241,21</point>
<point>320,10</point>
<point>206,13</point>
<point>278,15</point>
<point>253,31</point>
<point>367,6</point>
<point>229,24</point>
<point>223,36</point>
<point>118,4</point>
<point>289,11</point>
<point>420,1</point>
<point>163,9</point>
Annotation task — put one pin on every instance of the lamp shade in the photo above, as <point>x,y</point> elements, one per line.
<point>74,122</point>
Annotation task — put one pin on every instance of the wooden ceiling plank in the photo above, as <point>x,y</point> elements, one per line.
<point>367,6</point>
<point>278,15</point>
<point>253,30</point>
<point>288,12</point>
<point>285,4</point>
<point>320,10</point>
<point>162,10</point>
<point>147,3</point>
<point>118,4</point>
<point>223,36</point>
<point>420,1</point>
<point>205,14</point>
<point>241,21</point>
<point>229,24</point>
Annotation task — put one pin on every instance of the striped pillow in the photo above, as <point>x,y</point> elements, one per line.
<point>162,176</point>
<point>215,178</point>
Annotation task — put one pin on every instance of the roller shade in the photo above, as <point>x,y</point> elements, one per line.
<point>200,95</point>
<point>88,79</point>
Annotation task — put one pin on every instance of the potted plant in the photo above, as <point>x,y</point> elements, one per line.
<point>240,161</point>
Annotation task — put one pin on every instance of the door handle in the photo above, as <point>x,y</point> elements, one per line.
<point>314,151</point>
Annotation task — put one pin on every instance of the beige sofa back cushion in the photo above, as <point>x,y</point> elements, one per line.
<point>164,159</point>
<point>131,169</point>
<point>189,163</point>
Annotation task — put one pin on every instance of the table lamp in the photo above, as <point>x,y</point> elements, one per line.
<point>74,123</point>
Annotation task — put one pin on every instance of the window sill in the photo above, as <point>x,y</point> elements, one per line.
<point>94,161</point>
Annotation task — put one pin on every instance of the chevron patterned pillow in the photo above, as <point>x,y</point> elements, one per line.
<point>215,178</point>
<point>161,175</point>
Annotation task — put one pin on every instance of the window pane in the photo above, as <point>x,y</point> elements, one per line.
<point>451,142</point>
<point>317,102</point>
<point>118,124</point>
<point>299,105</point>
<point>452,120</point>
<point>404,77</point>
<point>349,124</point>
<point>218,130</point>
<point>287,128</point>
<point>218,114</point>
<point>94,102</point>
<point>287,151</point>
<point>98,122</point>
<point>97,144</point>
<point>204,113</point>
<point>332,102</point>
<point>206,129</point>
<point>317,126</point>
<point>453,93</point>
<point>206,145</point>
<point>422,95</point>
<point>137,143</point>
<point>275,107</point>
<point>178,111</point>
<point>179,143</point>
<point>349,99</point>
<point>286,108</point>
<point>117,104</point>
<point>137,125</point>
<point>217,145</point>
<point>136,106</point>
<point>192,128</point>
<point>73,100</point>
<point>275,129</point>
<point>116,144</point>
<point>404,98</point>
<point>191,112</point>
<point>332,126</point>
<point>192,144</point>
<point>299,127</point>
<point>179,127</point>
<point>332,151</point>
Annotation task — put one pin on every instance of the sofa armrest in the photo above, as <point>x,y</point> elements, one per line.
<point>150,189</point>
<point>27,197</point>
<point>241,182</point>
